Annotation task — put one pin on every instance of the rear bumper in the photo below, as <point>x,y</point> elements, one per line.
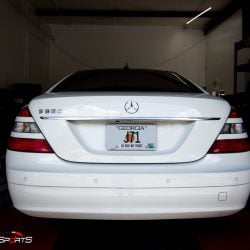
<point>43,185</point>
<point>124,203</point>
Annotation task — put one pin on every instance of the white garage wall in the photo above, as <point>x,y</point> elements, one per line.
<point>220,54</point>
<point>159,47</point>
<point>24,45</point>
<point>25,48</point>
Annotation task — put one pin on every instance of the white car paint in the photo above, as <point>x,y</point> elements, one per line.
<point>82,179</point>
<point>130,191</point>
<point>82,113</point>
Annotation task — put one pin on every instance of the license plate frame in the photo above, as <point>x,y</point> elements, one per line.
<point>131,137</point>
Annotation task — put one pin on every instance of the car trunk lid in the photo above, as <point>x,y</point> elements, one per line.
<point>84,127</point>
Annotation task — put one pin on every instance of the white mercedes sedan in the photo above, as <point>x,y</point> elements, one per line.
<point>128,144</point>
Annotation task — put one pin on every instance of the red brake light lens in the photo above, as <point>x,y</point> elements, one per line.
<point>233,114</point>
<point>29,145</point>
<point>24,112</point>
<point>230,146</point>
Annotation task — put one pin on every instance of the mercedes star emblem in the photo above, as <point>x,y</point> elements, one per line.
<point>131,107</point>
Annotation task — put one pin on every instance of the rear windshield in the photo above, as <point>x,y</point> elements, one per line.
<point>126,80</point>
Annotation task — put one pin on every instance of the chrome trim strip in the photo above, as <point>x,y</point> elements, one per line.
<point>86,118</point>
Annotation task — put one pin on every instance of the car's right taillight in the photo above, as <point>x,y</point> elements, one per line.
<point>26,136</point>
<point>233,137</point>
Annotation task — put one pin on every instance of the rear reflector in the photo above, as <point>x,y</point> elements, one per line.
<point>29,145</point>
<point>230,146</point>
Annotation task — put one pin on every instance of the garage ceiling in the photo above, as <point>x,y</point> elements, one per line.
<point>159,12</point>
<point>163,5</point>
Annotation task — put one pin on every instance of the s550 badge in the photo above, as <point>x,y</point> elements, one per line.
<point>50,111</point>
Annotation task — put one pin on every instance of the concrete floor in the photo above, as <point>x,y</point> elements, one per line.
<point>229,233</point>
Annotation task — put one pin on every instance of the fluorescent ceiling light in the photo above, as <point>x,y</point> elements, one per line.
<point>191,20</point>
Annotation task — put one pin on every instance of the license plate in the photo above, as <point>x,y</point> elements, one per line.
<point>131,137</point>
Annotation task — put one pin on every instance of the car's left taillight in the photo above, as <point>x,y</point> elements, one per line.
<point>26,135</point>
